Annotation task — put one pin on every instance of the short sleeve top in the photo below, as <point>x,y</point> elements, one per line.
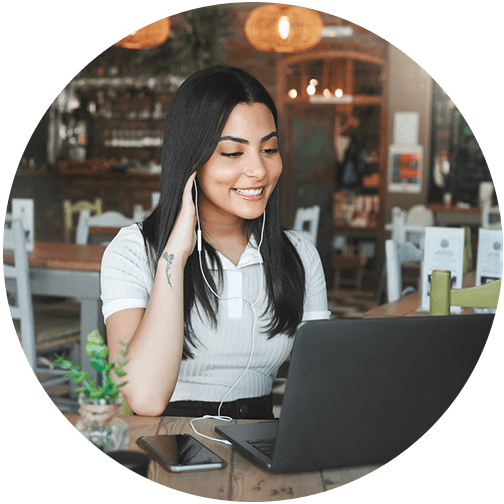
<point>238,341</point>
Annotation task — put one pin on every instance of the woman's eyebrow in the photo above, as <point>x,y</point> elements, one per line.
<point>246,142</point>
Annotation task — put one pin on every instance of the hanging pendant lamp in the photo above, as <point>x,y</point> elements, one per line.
<point>283,28</point>
<point>149,36</point>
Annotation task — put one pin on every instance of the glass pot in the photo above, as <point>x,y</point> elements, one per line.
<point>100,423</point>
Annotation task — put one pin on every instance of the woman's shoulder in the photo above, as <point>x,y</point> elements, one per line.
<point>129,240</point>
<point>298,239</point>
<point>305,248</point>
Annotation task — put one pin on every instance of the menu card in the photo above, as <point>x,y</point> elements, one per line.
<point>489,260</point>
<point>444,249</point>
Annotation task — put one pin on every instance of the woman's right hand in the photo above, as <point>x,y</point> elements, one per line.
<point>182,239</point>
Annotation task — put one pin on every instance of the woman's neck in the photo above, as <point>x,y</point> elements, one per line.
<point>225,235</point>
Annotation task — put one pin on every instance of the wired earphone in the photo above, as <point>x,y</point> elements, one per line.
<point>248,302</point>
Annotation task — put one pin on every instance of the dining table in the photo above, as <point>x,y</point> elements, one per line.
<point>453,215</point>
<point>242,479</point>
<point>409,306</point>
<point>67,270</point>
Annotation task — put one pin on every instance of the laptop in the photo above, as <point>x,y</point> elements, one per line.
<point>361,391</point>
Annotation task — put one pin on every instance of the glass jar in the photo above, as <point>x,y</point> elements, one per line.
<point>100,423</point>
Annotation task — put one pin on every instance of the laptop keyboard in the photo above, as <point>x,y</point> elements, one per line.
<point>265,446</point>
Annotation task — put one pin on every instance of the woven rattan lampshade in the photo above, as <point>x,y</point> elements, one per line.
<point>283,28</point>
<point>149,36</point>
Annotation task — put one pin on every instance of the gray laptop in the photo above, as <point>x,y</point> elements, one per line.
<point>361,391</point>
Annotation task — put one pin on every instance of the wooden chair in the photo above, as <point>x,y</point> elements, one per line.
<point>70,209</point>
<point>349,258</point>
<point>396,257</point>
<point>106,222</point>
<point>442,296</point>
<point>34,342</point>
<point>306,222</point>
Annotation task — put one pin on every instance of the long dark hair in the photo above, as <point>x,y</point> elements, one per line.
<point>194,124</point>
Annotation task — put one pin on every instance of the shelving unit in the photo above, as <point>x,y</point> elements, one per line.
<point>333,105</point>
<point>114,121</point>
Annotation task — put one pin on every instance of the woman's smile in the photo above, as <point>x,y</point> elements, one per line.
<point>251,194</point>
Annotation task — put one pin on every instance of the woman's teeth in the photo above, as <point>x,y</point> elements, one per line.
<point>249,192</point>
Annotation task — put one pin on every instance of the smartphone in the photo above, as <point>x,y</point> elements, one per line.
<point>180,452</point>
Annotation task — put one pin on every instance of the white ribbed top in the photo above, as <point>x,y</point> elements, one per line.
<point>222,353</point>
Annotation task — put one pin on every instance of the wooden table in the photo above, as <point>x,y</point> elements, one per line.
<point>456,216</point>
<point>408,305</point>
<point>242,479</point>
<point>68,270</point>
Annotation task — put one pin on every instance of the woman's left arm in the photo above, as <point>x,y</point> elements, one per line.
<point>315,305</point>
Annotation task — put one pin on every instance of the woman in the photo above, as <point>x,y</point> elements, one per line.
<point>208,326</point>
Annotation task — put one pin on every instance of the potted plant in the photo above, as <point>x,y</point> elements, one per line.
<point>99,403</point>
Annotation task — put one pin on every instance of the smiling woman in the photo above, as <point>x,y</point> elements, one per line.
<point>208,326</point>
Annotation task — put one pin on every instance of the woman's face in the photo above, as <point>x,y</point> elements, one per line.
<point>241,174</point>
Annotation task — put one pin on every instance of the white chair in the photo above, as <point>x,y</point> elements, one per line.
<point>155,196</point>
<point>407,225</point>
<point>420,215</point>
<point>396,256</point>
<point>105,222</point>
<point>490,217</point>
<point>22,309</point>
<point>139,213</point>
<point>306,222</point>
<point>410,225</point>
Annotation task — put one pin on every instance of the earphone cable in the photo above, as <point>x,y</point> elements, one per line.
<point>248,302</point>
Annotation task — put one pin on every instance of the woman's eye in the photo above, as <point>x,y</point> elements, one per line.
<point>270,151</point>
<point>231,154</point>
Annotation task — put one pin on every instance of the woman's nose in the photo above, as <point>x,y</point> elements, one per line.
<point>256,168</point>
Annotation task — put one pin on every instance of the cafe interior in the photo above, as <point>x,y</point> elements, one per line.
<point>378,162</point>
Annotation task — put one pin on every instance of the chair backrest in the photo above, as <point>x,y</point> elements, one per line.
<point>139,213</point>
<point>107,222</point>
<point>306,222</point>
<point>22,310</point>
<point>155,196</point>
<point>490,217</point>
<point>420,215</point>
<point>410,225</point>
<point>70,209</point>
<point>442,296</point>
<point>396,255</point>
<point>8,235</point>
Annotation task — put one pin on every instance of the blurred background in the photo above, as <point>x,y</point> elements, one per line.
<point>346,101</point>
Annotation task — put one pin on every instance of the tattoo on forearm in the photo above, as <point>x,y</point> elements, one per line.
<point>169,259</point>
